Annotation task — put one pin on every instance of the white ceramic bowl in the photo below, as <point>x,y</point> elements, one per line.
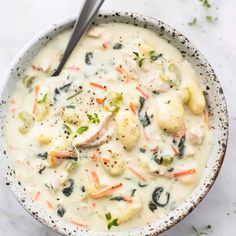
<point>215,100</point>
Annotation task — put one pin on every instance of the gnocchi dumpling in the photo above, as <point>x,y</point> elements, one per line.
<point>70,116</point>
<point>125,211</point>
<point>127,128</point>
<point>170,113</point>
<point>196,100</point>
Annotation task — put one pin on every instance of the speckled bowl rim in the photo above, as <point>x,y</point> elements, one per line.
<point>211,171</point>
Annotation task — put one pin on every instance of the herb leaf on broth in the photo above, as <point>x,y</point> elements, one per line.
<point>68,129</point>
<point>152,56</point>
<point>44,99</point>
<point>43,156</point>
<point>56,93</point>
<point>65,87</point>
<point>88,58</point>
<point>110,222</point>
<point>82,129</point>
<point>157,194</point>
<point>68,190</point>
<point>181,146</point>
<point>75,94</point>
<point>61,211</point>
<point>142,114</point>
<point>117,46</point>
<point>93,118</point>
<point>117,198</point>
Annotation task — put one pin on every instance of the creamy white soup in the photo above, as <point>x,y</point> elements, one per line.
<point>119,139</point>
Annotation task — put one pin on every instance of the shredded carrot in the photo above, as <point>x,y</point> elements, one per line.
<point>36,90</point>
<point>132,107</point>
<point>106,191</point>
<point>13,110</point>
<point>62,154</point>
<point>106,160</point>
<point>75,68</point>
<point>12,101</point>
<point>96,85</point>
<point>49,204</point>
<point>142,92</point>
<point>206,118</point>
<point>104,45</point>
<point>36,67</point>
<point>95,180</point>
<point>180,133</point>
<point>121,70</point>
<point>136,173</point>
<point>37,195</point>
<point>78,224</point>
<point>94,157</point>
<point>176,152</point>
<point>12,147</point>
<point>186,172</point>
<point>155,149</point>
<point>127,198</point>
<point>99,100</point>
<point>145,134</point>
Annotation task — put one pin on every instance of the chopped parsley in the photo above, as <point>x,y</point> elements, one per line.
<point>110,222</point>
<point>193,22</point>
<point>205,3</point>
<point>117,46</point>
<point>93,118</point>
<point>74,95</point>
<point>152,56</point>
<point>68,129</point>
<point>82,129</point>
<point>44,99</point>
<point>211,18</point>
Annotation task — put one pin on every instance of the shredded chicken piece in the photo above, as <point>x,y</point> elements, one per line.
<point>96,135</point>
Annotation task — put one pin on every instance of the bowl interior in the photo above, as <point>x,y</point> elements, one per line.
<point>212,90</point>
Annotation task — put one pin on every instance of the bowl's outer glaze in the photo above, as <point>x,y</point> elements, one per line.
<point>215,100</point>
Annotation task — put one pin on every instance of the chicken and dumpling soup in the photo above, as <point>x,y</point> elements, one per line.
<point>119,139</point>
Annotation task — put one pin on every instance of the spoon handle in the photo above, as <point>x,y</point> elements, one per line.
<point>86,15</point>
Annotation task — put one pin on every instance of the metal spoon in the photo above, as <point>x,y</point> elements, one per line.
<point>85,18</point>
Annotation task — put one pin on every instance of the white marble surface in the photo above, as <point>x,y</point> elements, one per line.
<point>20,20</point>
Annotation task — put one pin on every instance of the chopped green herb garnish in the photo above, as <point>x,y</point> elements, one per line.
<point>110,222</point>
<point>45,96</point>
<point>71,166</point>
<point>108,216</point>
<point>93,118</point>
<point>193,22</point>
<point>205,3</point>
<point>88,58</point>
<point>74,95</point>
<point>117,46</point>
<point>82,129</point>
<point>211,18</point>
<point>152,56</point>
<point>68,129</point>
<point>61,211</point>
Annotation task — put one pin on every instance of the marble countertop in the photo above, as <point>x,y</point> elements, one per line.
<point>20,20</point>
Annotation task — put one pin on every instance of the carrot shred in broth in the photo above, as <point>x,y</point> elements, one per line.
<point>99,100</point>
<point>96,180</point>
<point>106,191</point>
<point>186,172</point>
<point>37,195</point>
<point>145,94</point>
<point>49,204</point>
<point>78,224</point>
<point>136,173</point>
<point>132,108</point>
<point>36,91</point>
<point>126,75</point>
<point>96,85</point>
